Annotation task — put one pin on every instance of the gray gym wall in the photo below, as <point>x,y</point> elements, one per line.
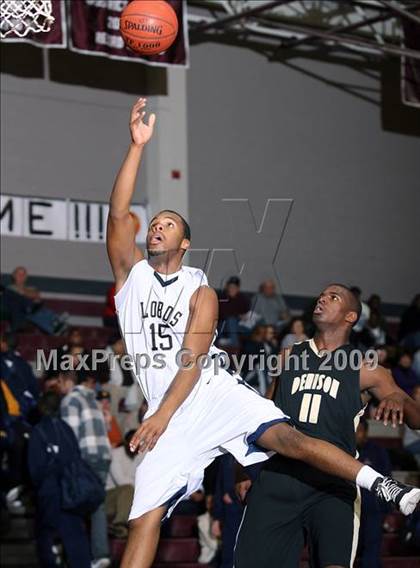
<point>261,130</point>
<point>256,130</point>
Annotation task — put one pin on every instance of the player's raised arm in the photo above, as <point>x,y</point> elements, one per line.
<point>395,405</point>
<point>121,245</point>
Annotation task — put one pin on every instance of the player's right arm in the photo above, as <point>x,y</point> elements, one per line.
<point>121,234</point>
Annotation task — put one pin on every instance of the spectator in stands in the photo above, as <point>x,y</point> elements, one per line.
<point>295,334</point>
<point>416,363</point>
<point>271,344</point>
<point>270,305</point>
<point>375,305</point>
<point>233,306</point>
<point>409,333</point>
<point>115,350</point>
<point>403,374</point>
<point>360,337</point>
<point>120,487</point>
<point>74,339</point>
<point>383,357</point>
<point>109,316</point>
<point>227,509</point>
<point>372,511</point>
<point>23,303</point>
<point>82,413</point>
<point>254,369</point>
<point>126,396</point>
<point>51,381</point>
<point>411,439</point>
<point>18,376</point>
<point>114,432</point>
<point>53,445</point>
<point>376,330</point>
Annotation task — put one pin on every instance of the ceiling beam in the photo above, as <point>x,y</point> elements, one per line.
<point>392,49</point>
<point>244,14</point>
<point>401,11</point>
<point>338,29</point>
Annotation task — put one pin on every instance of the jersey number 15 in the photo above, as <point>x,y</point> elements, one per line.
<point>160,340</point>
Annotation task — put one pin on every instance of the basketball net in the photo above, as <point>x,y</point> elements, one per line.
<point>23,16</point>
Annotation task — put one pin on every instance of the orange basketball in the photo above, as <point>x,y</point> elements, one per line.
<point>148,27</point>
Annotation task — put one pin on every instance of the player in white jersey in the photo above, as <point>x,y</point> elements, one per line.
<point>168,316</point>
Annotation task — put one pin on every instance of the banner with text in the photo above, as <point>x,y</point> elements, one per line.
<point>91,27</point>
<point>59,219</point>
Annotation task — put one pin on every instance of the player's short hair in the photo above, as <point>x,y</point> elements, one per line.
<point>355,304</point>
<point>187,228</point>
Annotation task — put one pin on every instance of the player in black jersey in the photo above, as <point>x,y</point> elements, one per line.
<point>320,387</point>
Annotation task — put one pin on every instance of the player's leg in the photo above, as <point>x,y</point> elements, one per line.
<point>332,525</point>
<point>287,441</point>
<point>271,531</point>
<point>143,538</point>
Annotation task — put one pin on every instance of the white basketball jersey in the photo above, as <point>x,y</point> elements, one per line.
<point>153,311</point>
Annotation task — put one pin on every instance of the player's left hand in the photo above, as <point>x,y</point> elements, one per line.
<point>151,429</point>
<point>391,409</point>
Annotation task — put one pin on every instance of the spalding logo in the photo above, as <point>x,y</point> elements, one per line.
<point>153,29</point>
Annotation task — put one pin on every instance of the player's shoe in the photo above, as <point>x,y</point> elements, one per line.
<point>405,497</point>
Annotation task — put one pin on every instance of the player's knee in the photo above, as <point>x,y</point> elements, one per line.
<point>284,440</point>
<point>146,521</point>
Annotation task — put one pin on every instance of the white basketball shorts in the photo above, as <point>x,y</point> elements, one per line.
<point>225,416</point>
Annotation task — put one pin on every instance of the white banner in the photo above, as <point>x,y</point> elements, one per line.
<point>60,219</point>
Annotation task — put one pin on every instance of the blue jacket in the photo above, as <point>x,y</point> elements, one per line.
<point>52,445</point>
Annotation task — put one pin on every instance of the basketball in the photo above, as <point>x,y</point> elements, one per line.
<point>148,27</point>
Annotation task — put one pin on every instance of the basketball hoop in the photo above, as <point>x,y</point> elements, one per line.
<point>23,16</point>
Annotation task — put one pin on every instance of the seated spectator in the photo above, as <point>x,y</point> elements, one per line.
<point>114,432</point>
<point>270,306</point>
<point>18,376</point>
<point>51,381</point>
<point>376,330</point>
<point>74,340</point>
<point>403,374</point>
<point>409,333</point>
<point>254,369</point>
<point>120,487</point>
<point>296,333</point>
<point>126,396</point>
<point>53,445</point>
<point>360,337</point>
<point>383,356</point>
<point>233,305</point>
<point>117,375</point>
<point>23,303</point>
<point>82,413</point>
<point>416,363</point>
<point>372,511</point>
<point>375,305</point>
<point>109,316</point>
<point>14,434</point>
<point>411,439</point>
<point>271,344</point>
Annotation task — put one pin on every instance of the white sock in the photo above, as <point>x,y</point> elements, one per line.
<point>367,477</point>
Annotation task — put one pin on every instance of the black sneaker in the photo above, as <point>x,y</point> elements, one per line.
<point>405,497</point>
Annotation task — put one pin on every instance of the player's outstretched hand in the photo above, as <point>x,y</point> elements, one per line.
<point>140,131</point>
<point>391,409</point>
<point>151,429</point>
